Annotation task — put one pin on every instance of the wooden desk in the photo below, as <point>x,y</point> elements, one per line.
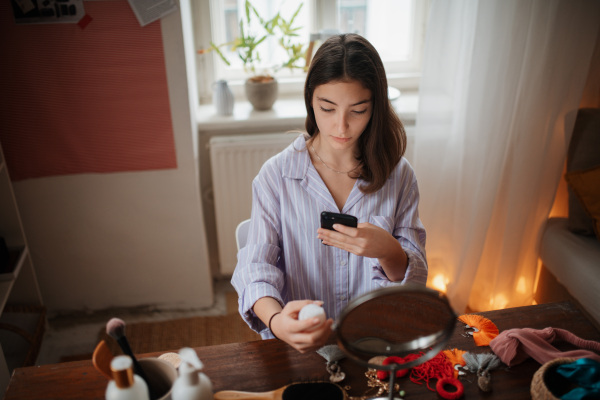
<point>267,365</point>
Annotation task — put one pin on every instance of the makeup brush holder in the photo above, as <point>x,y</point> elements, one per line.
<point>161,376</point>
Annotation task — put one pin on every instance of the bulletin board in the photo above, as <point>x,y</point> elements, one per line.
<point>84,98</point>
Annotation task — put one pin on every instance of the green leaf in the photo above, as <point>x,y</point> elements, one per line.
<point>216,48</point>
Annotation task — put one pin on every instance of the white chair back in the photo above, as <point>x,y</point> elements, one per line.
<point>241,233</point>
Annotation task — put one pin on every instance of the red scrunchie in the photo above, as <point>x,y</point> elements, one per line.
<point>381,375</point>
<point>439,387</point>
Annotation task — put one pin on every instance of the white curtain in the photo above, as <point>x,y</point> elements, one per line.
<point>502,80</point>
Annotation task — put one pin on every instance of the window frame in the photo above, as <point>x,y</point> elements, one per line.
<point>405,78</point>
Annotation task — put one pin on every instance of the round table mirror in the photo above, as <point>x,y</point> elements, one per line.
<point>395,321</point>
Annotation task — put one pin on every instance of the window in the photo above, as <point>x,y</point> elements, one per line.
<point>395,27</point>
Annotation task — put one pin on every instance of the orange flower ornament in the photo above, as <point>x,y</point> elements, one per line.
<point>483,330</point>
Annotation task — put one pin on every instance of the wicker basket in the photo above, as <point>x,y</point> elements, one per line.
<point>547,373</point>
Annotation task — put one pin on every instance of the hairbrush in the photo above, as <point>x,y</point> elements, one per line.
<point>294,391</point>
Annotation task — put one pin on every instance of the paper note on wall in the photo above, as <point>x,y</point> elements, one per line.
<point>91,100</point>
<point>147,11</point>
<point>47,11</point>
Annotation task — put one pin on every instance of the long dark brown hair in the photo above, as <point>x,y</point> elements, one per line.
<point>350,57</point>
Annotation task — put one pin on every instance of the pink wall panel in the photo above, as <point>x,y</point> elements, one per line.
<point>92,100</point>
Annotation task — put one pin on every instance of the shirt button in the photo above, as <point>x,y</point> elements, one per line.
<point>344,262</point>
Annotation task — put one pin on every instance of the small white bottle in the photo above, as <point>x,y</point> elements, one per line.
<point>125,385</point>
<point>192,384</point>
<point>223,98</point>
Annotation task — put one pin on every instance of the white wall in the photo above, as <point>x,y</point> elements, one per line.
<point>126,239</point>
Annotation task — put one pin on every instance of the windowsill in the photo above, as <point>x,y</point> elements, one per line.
<point>287,111</point>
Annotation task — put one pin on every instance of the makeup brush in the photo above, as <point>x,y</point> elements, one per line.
<point>115,328</point>
<point>294,391</point>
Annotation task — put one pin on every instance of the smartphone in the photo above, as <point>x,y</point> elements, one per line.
<point>330,218</point>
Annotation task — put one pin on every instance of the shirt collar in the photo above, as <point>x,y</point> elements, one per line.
<point>296,166</point>
<point>296,160</point>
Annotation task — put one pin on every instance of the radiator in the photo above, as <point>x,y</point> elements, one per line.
<point>235,161</point>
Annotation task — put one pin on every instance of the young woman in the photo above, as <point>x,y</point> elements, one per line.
<point>350,162</point>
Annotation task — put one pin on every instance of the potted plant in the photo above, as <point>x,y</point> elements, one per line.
<point>262,88</point>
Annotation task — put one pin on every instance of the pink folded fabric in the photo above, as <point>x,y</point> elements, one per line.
<point>514,346</point>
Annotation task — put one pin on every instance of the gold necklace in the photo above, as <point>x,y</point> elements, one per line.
<point>327,166</point>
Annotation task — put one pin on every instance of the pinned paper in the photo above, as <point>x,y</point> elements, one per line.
<point>147,11</point>
<point>25,5</point>
<point>47,11</point>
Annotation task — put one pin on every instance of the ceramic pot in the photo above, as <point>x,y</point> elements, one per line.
<point>261,92</point>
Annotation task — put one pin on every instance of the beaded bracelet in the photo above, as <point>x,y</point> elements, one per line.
<point>271,319</point>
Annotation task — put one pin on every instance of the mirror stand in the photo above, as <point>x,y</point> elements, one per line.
<point>392,379</point>
<point>395,321</point>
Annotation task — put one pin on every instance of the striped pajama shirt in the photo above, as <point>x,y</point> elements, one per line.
<point>284,259</point>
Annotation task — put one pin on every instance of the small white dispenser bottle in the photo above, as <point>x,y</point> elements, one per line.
<point>125,385</point>
<point>192,384</point>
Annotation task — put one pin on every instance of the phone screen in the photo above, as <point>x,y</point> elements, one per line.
<point>330,218</point>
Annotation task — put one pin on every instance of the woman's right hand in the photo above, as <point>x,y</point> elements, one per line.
<point>303,335</point>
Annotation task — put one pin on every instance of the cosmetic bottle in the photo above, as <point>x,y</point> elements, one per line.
<point>125,385</point>
<point>192,383</point>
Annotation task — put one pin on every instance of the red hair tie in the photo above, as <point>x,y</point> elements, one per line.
<point>382,375</point>
<point>439,387</point>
